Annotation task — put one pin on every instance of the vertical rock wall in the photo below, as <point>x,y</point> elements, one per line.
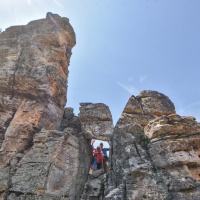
<point>55,167</point>
<point>174,151</point>
<point>34,62</point>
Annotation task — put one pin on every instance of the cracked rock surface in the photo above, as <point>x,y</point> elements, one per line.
<point>96,121</point>
<point>34,64</point>
<point>155,151</point>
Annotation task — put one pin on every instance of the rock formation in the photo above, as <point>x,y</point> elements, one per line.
<point>96,121</point>
<point>54,167</point>
<point>45,149</point>
<point>34,63</point>
<point>155,151</point>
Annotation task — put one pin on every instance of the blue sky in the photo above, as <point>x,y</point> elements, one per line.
<point>124,47</point>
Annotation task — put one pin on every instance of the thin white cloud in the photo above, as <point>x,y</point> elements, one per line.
<point>58,3</point>
<point>142,78</point>
<point>191,109</point>
<point>130,89</point>
<point>190,106</point>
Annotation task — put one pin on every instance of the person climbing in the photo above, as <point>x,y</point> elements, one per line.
<point>99,156</point>
<point>105,157</point>
<point>104,150</point>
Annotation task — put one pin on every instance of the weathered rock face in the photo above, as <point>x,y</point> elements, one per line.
<point>174,150</point>
<point>35,161</point>
<point>94,186</point>
<point>155,151</point>
<point>54,167</point>
<point>131,165</point>
<point>34,63</point>
<point>96,121</point>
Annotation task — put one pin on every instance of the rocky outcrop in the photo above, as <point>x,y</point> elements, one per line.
<point>174,150</point>
<point>155,151</point>
<point>94,186</point>
<point>96,121</point>
<point>45,149</point>
<point>34,63</point>
<point>132,169</point>
<point>53,168</point>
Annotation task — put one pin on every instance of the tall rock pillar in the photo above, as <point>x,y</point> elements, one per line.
<point>34,62</point>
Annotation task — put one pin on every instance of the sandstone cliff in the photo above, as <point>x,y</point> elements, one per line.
<point>45,149</point>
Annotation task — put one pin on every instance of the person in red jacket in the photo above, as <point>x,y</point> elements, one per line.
<point>99,155</point>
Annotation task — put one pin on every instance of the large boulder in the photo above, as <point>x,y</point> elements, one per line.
<point>96,121</point>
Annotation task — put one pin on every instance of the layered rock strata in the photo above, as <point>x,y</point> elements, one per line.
<point>175,154</point>
<point>155,151</point>
<point>34,62</point>
<point>130,159</point>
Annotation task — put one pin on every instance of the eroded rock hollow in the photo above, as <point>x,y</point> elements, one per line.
<point>46,150</point>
